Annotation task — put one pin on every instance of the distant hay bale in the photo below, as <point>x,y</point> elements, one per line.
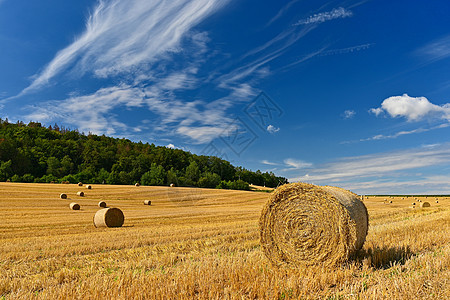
<point>304,224</point>
<point>88,187</point>
<point>437,201</point>
<point>109,217</point>
<point>80,184</point>
<point>390,201</point>
<point>81,194</point>
<point>172,185</point>
<point>63,196</point>
<point>137,184</point>
<point>414,203</point>
<point>147,202</point>
<point>102,204</point>
<point>425,204</point>
<point>74,206</point>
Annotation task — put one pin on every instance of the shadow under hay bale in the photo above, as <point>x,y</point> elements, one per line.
<point>384,258</point>
<point>63,196</point>
<point>74,206</point>
<point>102,204</point>
<point>304,224</point>
<point>109,217</point>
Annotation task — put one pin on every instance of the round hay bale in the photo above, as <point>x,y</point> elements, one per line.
<point>74,206</point>
<point>63,196</point>
<point>304,224</point>
<point>390,201</point>
<point>414,203</point>
<point>147,202</point>
<point>81,194</point>
<point>172,185</point>
<point>102,204</point>
<point>89,187</point>
<point>80,184</point>
<point>425,204</point>
<point>137,184</point>
<point>437,201</point>
<point>109,217</point>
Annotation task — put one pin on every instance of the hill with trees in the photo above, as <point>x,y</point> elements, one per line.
<point>34,153</point>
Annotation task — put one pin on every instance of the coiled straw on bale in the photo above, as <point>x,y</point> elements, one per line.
<point>74,206</point>
<point>424,204</point>
<point>304,224</point>
<point>109,217</point>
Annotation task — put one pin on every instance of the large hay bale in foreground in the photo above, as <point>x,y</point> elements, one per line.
<point>109,217</point>
<point>81,194</point>
<point>102,204</point>
<point>63,196</point>
<point>74,206</point>
<point>424,204</point>
<point>147,202</point>
<point>304,224</point>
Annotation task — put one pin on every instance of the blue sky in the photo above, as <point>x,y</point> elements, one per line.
<point>347,93</point>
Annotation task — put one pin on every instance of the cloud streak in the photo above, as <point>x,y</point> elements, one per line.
<point>337,13</point>
<point>121,36</point>
<point>377,165</point>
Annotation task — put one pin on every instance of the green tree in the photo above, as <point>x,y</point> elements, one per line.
<point>209,180</point>
<point>6,170</point>
<point>156,176</point>
<point>192,173</point>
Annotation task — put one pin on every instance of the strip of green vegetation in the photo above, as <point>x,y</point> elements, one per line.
<point>33,153</point>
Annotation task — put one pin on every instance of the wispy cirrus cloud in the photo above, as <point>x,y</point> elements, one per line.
<point>435,50</point>
<point>337,13</point>
<point>380,165</point>
<point>121,36</point>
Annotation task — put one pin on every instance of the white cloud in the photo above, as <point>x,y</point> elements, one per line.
<point>381,165</point>
<point>348,114</point>
<point>295,164</point>
<point>121,36</point>
<point>436,50</point>
<point>336,13</point>
<point>403,132</point>
<point>412,108</point>
<point>266,162</point>
<point>272,129</point>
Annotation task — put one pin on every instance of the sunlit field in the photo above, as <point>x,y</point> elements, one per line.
<point>204,243</point>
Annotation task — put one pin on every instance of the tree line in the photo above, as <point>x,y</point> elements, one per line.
<point>35,153</point>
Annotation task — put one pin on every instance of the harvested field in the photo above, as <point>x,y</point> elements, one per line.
<point>204,244</point>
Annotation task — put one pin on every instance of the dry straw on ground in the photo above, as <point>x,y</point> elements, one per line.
<point>89,187</point>
<point>425,204</point>
<point>102,204</point>
<point>304,224</point>
<point>63,196</point>
<point>74,206</point>
<point>147,202</point>
<point>81,194</point>
<point>109,217</point>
